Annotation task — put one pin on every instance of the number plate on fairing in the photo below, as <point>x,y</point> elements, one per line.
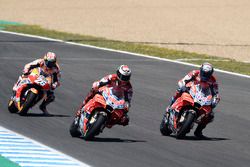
<point>41,80</point>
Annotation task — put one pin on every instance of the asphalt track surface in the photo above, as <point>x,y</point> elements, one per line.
<point>140,143</point>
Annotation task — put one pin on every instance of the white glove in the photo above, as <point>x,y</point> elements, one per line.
<point>95,86</point>
<point>214,102</point>
<point>25,71</point>
<point>127,105</point>
<point>54,85</point>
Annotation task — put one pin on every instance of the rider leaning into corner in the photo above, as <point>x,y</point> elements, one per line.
<point>121,80</point>
<point>50,66</point>
<point>205,74</point>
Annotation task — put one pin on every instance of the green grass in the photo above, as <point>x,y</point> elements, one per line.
<point>220,63</point>
<point>7,163</point>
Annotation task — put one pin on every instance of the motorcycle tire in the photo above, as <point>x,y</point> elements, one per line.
<point>11,107</point>
<point>95,128</point>
<point>30,99</point>
<point>185,128</point>
<point>74,129</point>
<point>165,131</point>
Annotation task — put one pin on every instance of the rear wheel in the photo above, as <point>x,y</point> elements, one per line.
<point>186,125</point>
<point>96,127</point>
<point>11,107</point>
<point>30,100</point>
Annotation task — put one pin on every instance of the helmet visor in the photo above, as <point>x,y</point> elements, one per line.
<point>205,75</point>
<point>50,64</point>
<point>124,78</point>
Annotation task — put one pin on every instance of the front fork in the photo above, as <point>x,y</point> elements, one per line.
<point>174,119</point>
<point>80,120</point>
<point>83,122</point>
<point>165,118</point>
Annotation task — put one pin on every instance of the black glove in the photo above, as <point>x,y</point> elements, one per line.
<point>182,89</point>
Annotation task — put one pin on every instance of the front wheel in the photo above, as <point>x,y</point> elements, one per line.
<point>30,100</point>
<point>165,131</point>
<point>74,128</point>
<point>96,127</point>
<point>186,125</point>
<point>11,107</point>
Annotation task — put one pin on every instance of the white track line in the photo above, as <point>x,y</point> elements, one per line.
<point>222,60</point>
<point>125,52</point>
<point>27,152</point>
<point>78,59</point>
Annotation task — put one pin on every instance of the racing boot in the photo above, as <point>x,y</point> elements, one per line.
<point>45,102</point>
<point>43,108</point>
<point>198,131</point>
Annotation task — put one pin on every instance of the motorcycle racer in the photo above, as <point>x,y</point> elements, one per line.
<point>205,74</point>
<point>50,66</point>
<point>121,80</point>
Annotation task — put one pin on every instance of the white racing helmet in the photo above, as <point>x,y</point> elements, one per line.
<point>124,73</point>
<point>206,71</point>
<point>50,59</point>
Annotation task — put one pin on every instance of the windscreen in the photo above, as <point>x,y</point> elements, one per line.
<point>201,94</point>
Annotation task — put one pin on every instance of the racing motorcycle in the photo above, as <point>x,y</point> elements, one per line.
<point>107,108</point>
<point>196,102</point>
<point>28,91</point>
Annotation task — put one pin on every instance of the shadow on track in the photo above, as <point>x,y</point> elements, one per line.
<point>43,115</point>
<point>116,140</point>
<point>207,138</point>
<point>199,139</point>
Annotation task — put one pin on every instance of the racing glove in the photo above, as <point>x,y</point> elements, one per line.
<point>182,89</point>
<point>54,85</point>
<point>95,86</point>
<point>25,71</point>
<point>213,104</point>
<point>127,105</point>
<point>215,101</point>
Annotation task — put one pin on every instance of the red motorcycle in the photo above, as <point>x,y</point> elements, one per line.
<point>28,91</point>
<point>106,109</point>
<point>192,105</point>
